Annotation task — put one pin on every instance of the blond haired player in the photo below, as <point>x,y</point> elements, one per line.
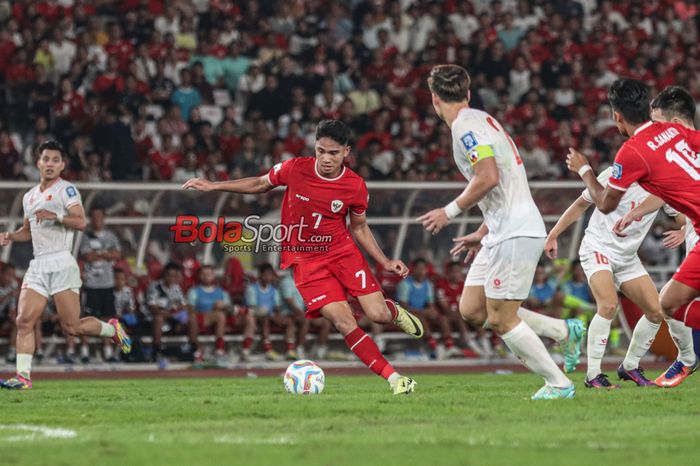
<point>513,231</point>
<point>53,211</point>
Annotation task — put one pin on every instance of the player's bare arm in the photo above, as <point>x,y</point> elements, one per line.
<point>650,204</point>
<point>249,185</point>
<point>572,214</point>
<point>23,234</point>
<point>485,179</point>
<point>606,199</point>
<point>470,243</point>
<point>363,234</point>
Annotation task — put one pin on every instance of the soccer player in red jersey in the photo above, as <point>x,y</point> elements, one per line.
<point>321,193</point>
<point>663,159</point>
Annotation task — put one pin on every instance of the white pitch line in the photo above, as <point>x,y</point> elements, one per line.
<point>240,440</point>
<point>36,432</point>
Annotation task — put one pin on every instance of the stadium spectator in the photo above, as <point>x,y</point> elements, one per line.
<point>100,248</point>
<point>210,304</point>
<point>9,292</point>
<point>448,293</point>
<point>265,304</point>
<point>417,295</point>
<point>294,305</point>
<point>168,307</point>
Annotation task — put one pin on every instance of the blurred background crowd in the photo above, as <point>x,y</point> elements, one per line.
<point>155,90</point>
<point>148,90</point>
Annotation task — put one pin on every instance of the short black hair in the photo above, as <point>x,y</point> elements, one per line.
<point>675,101</point>
<point>51,144</point>
<point>335,130</point>
<point>419,261</point>
<point>630,98</point>
<point>171,266</point>
<point>449,82</point>
<point>451,264</point>
<point>264,267</point>
<point>95,208</point>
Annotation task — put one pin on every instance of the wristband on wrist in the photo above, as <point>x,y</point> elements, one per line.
<point>59,218</point>
<point>583,170</point>
<point>452,210</point>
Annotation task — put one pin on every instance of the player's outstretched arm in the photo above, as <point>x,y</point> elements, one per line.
<point>649,205</point>
<point>363,234</point>
<point>23,234</point>
<point>485,179</point>
<point>606,199</point>
<point>572,214</point>
<point>249,185</point>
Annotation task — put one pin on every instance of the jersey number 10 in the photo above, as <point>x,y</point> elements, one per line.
<point>686,158</point>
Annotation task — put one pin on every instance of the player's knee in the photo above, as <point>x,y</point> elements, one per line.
<point>655,316</point>
<point>607,310</point>
<point>71,328</point>
<point>473,315</point>
<point>23,322</point>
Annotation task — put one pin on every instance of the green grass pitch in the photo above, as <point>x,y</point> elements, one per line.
<point>451,420</point>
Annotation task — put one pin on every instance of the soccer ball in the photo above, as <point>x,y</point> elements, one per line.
<point>304,377</point>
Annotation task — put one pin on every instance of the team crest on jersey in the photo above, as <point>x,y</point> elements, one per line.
<point>70,190</point>
<point>469,141</point>
<point>336,206</point>
<point>277,167</point>
<point>48,198</point>
<point>617,171</point>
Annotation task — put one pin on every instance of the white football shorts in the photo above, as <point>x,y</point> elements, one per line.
<point>52,273</point>
<point>506,269</point>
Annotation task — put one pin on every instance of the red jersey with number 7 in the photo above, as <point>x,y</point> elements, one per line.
<point>663,158</point>
<point>315,209</point>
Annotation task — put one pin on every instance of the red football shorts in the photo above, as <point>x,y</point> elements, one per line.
<point>689,271</point>
<point>327,281</point>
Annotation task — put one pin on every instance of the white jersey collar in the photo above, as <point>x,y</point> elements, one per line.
<point>643,127</point>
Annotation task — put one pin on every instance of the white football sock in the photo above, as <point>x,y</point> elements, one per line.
<point>544,326</point>
<point>107,330</point>
<point>108,351</point>
<point>393,378</point>
<point>527,347</point>
<point>24,365</point>
<point>683,338</point>
<point>598,333</point>
<point>642,338</point>
<point>84,351</point>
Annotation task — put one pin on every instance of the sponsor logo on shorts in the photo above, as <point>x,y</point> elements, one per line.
<point>303,198</point>
<point>316,299</point>
<point>497,283</point>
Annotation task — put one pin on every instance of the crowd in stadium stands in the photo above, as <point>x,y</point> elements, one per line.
<point>156,90</point>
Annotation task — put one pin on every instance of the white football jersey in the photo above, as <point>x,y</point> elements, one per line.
<point>509,210</point>
<point>691,236</point>
<point>50,236</point>
<point>599,234</point>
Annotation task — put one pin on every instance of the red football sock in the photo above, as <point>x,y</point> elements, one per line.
<point>290,345</point>
<point>432,343</point>
<point>247,343</point>
<point>392,308</point>
<point>689,314</point>
<point>220,345</point>
<point>267,346</point>
<point>449,342</point>
<point>366,350</point>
